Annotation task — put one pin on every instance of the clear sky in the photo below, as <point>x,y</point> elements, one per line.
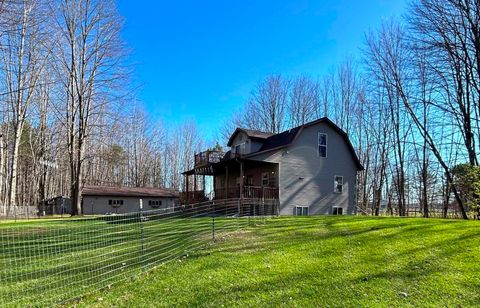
<point>198,60</point>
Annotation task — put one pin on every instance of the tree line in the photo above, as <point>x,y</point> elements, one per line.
<point>66,112</point>
<point>410,106</point>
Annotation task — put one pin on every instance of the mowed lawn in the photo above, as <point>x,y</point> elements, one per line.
<point>43,262</point>
<point>319,261</point>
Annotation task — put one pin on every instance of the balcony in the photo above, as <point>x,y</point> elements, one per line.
<point>208,157</point>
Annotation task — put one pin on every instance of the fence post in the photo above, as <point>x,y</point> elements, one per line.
<point>142,234</point>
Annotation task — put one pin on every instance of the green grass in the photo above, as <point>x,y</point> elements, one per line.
<point>43,262</point>
<point>319,261</point>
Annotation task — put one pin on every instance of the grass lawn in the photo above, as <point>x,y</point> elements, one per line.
<point>43,262</point>
<point>319,261</point>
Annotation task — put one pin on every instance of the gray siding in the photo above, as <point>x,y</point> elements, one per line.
<point>95,205</point>
<point>308,180</point>
<point>241,138</point>
<point>249,145</point>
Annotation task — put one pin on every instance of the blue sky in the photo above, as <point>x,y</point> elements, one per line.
<point>199,60</point>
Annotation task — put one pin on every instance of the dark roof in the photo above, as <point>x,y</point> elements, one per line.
<point>251,133</point>
<point>287,138</point>
<point>129,192</point>
<point>280,140</point>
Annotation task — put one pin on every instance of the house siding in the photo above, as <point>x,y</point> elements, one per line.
<point>98,205</point>
<point>308,180</point>
<point>241,138</point>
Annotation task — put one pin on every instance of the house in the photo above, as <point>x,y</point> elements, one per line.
<point>118,200</point>
<point>307,170</point>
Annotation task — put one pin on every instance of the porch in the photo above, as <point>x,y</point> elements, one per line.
<point>233,178</point>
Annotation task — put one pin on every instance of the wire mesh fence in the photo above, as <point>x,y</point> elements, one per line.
<point>43,262</point>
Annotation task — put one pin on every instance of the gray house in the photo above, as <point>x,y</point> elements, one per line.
<point>308,170</point>
<point>119,200</point>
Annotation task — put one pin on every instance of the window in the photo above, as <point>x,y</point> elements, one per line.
<point>322,145</point>
<point>265,179</point>
<point>301,211</point>
<point>240,148</point>
<point>155,203</point>
<point>115,203</point>
<point>338,184</point>
<point>337,210</point>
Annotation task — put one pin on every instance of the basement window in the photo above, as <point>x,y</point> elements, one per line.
<point>322,145</point>
<point>337,210</point>
<point>301,211</point>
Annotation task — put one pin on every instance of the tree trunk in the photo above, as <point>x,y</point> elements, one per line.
<point>12,193</point>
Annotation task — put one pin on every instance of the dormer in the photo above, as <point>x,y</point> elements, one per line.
<point>245,141</point>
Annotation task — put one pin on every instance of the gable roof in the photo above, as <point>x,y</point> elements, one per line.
<point>251,133</point>
<point>129,192</point>
<point>287,138</point>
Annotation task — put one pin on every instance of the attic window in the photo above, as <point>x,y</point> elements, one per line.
<point>322,145</point>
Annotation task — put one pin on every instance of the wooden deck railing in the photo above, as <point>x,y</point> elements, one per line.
<point>251,192</point>
<point>208,157</point>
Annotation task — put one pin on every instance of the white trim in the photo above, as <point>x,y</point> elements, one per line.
<point>326,144</point>
<point>335,184</point>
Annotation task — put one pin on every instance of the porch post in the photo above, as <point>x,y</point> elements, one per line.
<point>186,189</point>
<point>195,186</point>
<point>226,182</point>
<point>214,186</point>
<point>241,180</point>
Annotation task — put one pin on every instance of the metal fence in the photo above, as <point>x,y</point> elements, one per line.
<point>18,212</point>
<point>43,262</point>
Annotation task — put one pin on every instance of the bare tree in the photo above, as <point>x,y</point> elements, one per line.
<point>388,57</point>
<point>266,108</point>
<point>90,52</point>
<point>304,97</point>
<point>24,53</point>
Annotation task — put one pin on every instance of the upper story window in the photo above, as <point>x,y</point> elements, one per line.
<point>338,184</point>
<point>239,148</point>
<point>322,145</point>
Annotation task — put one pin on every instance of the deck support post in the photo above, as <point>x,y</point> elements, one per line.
<point>186,189</point>
<point>226,182</point>
<point>241,184</point>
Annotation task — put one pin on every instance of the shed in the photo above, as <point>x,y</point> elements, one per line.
<point>119,200</point>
